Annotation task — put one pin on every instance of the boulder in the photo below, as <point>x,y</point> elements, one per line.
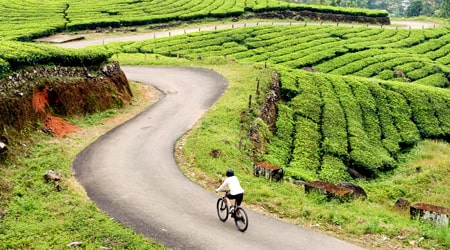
<point>435,214</point>
<point>329,189</point>
<point>269,171</point>
<point>357,191</point>
<point>402,203</point>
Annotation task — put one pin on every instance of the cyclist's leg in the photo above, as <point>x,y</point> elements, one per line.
<point>239,198</point>
<point>228,201</point>
<point>229,197</point>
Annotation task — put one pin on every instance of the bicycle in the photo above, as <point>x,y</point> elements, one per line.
<point>238,213</point>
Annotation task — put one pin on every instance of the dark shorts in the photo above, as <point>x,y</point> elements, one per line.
<point>237,197</point>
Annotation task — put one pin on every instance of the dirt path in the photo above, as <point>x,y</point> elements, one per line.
<point>414,24</point>
<point>82,40</point>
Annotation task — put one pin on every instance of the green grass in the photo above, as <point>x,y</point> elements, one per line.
<point>419,178</point>
<point>37,215</point>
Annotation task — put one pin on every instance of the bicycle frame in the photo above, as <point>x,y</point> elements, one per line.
<point>239,214</point>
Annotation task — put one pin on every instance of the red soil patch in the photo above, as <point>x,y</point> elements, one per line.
<point>58,126</point>
<point>55,125</point>
<point>40,99</point>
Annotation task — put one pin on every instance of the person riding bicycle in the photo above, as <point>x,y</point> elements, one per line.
<point>236,191</point>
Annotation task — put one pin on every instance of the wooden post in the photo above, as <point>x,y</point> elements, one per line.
<point>249,102</point>
<point>257,87</point>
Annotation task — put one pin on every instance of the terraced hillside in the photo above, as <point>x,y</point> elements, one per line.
<point>353,99</point>
<point>24,20</point>
<point>373,93</point>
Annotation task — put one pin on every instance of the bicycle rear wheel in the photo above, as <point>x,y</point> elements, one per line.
<point>222,209</point>
<point>241,219</point>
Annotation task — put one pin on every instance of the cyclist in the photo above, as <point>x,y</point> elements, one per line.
<point>236,191</point>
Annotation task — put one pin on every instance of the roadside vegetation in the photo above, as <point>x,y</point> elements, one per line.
<point>36,214</point>
<point>371,99</point>
<point>373,223</point>
<point>23,21</point>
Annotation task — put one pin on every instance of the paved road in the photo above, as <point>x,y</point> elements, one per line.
<point>131,172</point>
<point>132,175</point>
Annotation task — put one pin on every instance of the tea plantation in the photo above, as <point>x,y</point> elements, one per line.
<point>28,19</point>
<point>353,99</point>
<point>373,92</point>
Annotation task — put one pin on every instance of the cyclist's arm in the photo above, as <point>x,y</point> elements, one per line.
<point>224,184</point>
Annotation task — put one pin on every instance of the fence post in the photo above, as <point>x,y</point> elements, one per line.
<point>257,86</point>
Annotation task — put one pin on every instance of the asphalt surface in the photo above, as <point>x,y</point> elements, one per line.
<point>131,173</point>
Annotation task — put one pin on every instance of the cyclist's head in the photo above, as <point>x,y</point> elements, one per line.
<point>230,172</point>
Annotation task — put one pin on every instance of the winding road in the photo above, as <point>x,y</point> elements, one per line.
<point>132,175</point>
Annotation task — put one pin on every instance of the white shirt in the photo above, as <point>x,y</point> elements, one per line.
<point>233,184</point>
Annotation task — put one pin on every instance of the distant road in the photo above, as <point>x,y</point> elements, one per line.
<point>59,39</point>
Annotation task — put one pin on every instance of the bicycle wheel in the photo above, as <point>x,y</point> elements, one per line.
<point>241,219</point>
<point>222,209</point>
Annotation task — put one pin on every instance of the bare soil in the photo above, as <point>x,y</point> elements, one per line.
<point>54,125</point>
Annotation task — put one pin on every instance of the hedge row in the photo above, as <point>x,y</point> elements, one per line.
<point>28,19</point>
<point>17,55</point>
<point>355,123</point>
<point>401,55</point>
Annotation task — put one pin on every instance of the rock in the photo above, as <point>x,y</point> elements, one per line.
<point>215,153</point>
<point>328,189</point>
<point>357,191</point>
<point>402,203</point>
<point>435,214</point>
<point>51,175</point>
<point>271,172</point>
<point>75,244</point>
<point>355,174</point>
<point>3,147</point>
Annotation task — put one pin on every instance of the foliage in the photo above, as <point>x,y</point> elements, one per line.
<point>414,8</point>
<point>17,55</point>
<point>419,176</point>
<point>360,123</point>
<point>38,215</point>
<point>29,19</point>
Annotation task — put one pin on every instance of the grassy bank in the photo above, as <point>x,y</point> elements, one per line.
<point>373,223</point>
<point>37,216</point>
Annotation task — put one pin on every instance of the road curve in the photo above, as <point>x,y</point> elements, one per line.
<point>131,174</point>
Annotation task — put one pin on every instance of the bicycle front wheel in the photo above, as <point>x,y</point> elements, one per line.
<point>222,209</point>
<point>241,219</point>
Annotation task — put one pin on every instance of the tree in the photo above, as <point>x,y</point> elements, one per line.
<point>414,8</point>
<point>446,8</point>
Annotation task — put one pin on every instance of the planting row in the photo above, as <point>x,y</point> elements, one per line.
<point>344,127</point>
<point>17,55</point>
<point>24,20</point>
<point>420,56</point>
